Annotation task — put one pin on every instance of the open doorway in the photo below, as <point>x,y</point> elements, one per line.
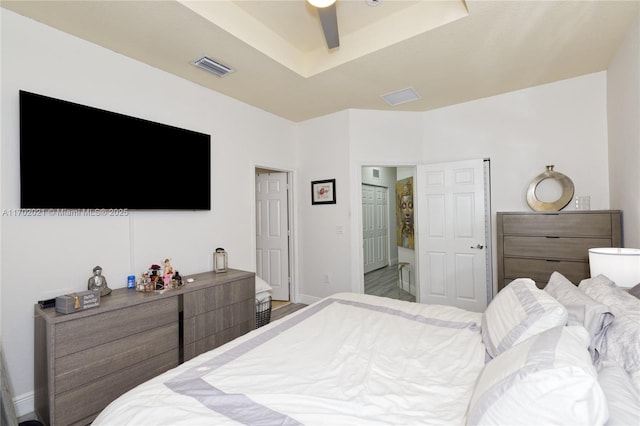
<point>450,262</point>
<point>273,231</point>
<point>388,254</point>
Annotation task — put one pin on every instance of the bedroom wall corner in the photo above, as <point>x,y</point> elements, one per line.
<point>623,110</point>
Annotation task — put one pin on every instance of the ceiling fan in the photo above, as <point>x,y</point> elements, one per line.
<point>329,21</point>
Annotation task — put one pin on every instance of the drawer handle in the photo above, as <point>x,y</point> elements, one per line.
<point>552,260</point>
<point>549,236</point>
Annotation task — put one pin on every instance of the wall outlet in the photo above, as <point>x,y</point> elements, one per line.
<point>326,279</point>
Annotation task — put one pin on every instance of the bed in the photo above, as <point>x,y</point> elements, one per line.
<point>353,359</point>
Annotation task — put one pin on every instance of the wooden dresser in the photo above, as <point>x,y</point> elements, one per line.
<point>535,244</point>
<point>86,359</point>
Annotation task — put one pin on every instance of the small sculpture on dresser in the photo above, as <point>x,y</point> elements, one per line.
<point>98,282</point>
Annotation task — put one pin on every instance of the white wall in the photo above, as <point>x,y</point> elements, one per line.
<point>324,233</point>
<point>623,104</point>
<point>562,123</point>
<point>45,257</point>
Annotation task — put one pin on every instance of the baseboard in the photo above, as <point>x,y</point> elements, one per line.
<point>25,404</point>
<point>306,299</point>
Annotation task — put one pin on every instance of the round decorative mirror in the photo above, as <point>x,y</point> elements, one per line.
<point>566,185</point>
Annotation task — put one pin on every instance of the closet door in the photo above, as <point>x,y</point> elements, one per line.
<point>375,227</point>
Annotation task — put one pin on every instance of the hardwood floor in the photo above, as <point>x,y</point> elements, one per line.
<point>381,282</point>
<point>384,282</point>
<point>286,309</point>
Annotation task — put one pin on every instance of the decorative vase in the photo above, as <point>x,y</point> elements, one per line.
<point>567,191</point>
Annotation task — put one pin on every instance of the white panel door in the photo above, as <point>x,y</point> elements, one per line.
<point>375,227</point>
<point>272,232</point>
<point>451,234</point>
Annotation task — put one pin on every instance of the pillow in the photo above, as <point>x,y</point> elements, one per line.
<point>617,298</point>
<point>623,398</point>
<point>622,340</point>
<point>546,379</point>
<point>519,311</point>
<point>635,291</point>
<point>582,310</point>
<point>263,290</point>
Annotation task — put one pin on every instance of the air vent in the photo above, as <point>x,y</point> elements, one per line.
<point>401,96</point>
<point>212,66</point>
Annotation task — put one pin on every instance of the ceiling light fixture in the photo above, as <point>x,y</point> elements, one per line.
<point>321,3</point>
<point>212,66</point>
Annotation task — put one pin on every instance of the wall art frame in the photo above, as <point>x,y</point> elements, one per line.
<point>323,191</point>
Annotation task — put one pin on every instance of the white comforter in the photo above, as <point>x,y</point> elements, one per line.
<point>348,359</point>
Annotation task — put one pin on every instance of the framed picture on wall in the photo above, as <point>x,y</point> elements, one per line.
<point>323,191</point>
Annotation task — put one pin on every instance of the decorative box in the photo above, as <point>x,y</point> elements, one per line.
<point>77,301</point>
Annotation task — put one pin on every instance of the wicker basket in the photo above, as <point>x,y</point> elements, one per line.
<point>263,312</point>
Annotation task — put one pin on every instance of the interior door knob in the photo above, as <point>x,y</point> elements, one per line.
<point>479,247</point>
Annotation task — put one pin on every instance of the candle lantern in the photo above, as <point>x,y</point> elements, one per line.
<point>220,260</point>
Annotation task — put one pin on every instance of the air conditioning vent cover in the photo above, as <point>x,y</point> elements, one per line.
<point>401,96</point>
<point>212,66</point>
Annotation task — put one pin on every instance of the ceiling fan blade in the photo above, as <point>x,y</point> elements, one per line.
<point>329,21</point>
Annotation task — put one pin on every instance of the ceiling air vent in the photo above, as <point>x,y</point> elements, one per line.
<point>401,96</point>
<point>212,66</point>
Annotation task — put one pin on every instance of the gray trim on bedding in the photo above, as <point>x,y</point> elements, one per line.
<point>533,311</point>
<point>240,407</point>
<point>540,357</point>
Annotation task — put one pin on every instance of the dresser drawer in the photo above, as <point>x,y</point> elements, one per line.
<point>592,225</point>
<point>205,331</point>
<point>77,335</point>
<point>540,270</point>
<point>89,365</point>
<point>216,297</point>
<point>552,247</point>
<point>82,405</point>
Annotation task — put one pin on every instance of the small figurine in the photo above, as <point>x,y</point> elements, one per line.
<point>168,272</point>
<point>98,282</point>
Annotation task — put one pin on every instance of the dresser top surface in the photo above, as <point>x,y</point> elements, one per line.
<point>125,297</point>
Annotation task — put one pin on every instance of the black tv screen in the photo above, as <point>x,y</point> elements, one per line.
<point>74,156</point>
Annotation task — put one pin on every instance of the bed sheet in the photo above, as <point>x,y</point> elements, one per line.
<point>348,359</point>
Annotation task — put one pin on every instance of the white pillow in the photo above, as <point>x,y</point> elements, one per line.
<point>583,310</point>
<point>623,337</point>
<point>520,310</point>
<point>546,379</point>
<point>623,398</point>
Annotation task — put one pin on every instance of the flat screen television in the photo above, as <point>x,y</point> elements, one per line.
<point>74,156</point>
